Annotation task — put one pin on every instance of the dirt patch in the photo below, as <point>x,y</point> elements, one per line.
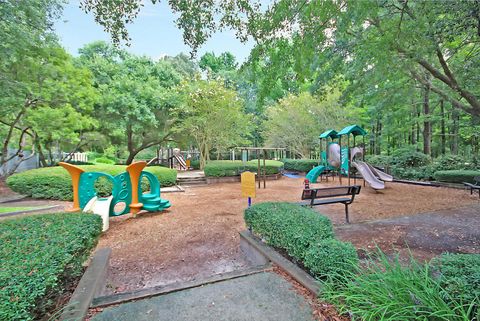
<point>424,236</point>
<point>198,235</point>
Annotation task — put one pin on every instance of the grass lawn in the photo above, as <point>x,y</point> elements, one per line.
<point>15,209</point>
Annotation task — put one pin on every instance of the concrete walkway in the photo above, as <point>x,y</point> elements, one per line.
<point>262,296</point>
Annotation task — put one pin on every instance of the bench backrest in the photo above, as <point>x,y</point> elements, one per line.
<point>331,192</point>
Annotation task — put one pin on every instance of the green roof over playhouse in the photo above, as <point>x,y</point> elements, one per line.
<point>329,133</point>
<point>355,130</point>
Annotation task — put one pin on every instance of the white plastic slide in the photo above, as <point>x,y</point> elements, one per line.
<point>367,175</point>
<point>100,206</point>
<point>181,161</point>
<point>382,175</point>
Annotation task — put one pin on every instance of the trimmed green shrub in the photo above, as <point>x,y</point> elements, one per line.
<point>304,234</point>
<point>195,164</point>
<point>379,160</point>
<point>331,258</point>
<point>387,290</point>
<point>299,165</point>
<point>40,253</point>
<point>459,276</point>
<point>413,173</point>
<point>55,182</point>
<point>224,168</point>
<point>456,176</point>
<point>104,160</point>
<point>449,162</point>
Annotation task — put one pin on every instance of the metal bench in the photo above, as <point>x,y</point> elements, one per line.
<point>474,186</point>
<point>331,195</point>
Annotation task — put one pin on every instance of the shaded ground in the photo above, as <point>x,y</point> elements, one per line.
<point>198,236</point>
<point>262,296</point>
<point>425,235</point>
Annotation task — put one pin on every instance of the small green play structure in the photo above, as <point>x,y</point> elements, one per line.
<point>127,195</point>
<point>336,158</point>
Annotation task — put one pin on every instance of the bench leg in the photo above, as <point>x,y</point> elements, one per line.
<point>346,214</point>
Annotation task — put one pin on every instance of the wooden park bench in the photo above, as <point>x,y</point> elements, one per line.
<point>331,195</point>
<point>474,186</point>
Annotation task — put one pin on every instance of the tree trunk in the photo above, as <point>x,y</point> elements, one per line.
<point>427,130</point>
<point>443,138</point>
<point>456,118</point>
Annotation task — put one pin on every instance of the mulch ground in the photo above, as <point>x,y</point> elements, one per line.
<point>198,235</point>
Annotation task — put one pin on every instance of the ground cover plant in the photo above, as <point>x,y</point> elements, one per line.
<point>39,254</point>
<point>55,182</point>
<point>225,168</point>
<point>386,289</point>
<point>305,235</point>
<point>299,165</point>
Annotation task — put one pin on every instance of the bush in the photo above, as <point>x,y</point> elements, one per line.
<point>104,160</point>
<point>459,276</point>
<point>379,160</point>
<point>40,253</point>
<point>408,157</point>
<point>55,182</point>
<point>234,168</point>
<point>449,162</point>
<point>299,165</point>
<point>305,235</point>
<point>195,164</point>
<point>387,290</point>
<point>331,258</point>
<point>456,176</point>
<point>418,173</point>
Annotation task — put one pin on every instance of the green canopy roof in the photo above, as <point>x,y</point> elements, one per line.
<point>329,133</point>
<point>352,129</point>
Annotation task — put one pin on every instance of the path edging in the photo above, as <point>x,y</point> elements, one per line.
<point>91,284</point>
<point>174,287</point>
<point>253,247</point>
<point>28,211</point>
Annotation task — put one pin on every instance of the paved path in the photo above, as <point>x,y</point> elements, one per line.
<point>263,296</point>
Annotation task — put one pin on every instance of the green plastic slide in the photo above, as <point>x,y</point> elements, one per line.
<point>314,173</point>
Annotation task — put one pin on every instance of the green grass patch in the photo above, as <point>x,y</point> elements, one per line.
<point>40,254</point>
<point>224,168</point>
<point>299,165</point>
<point>55,182</point>
<point>15,209</point>
<point>304,234</point>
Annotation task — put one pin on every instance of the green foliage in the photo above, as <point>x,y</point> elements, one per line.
<point>104,160</point>
<point>299,165</point>
<point>456,176</point>
<point>304,234</point>
<point>288,226</point>
<point>55,182</point>
<point>39,254</point>
<point>449,162</point>
<point>195,164</point>
<point>408,157</point>
<point>331,258</point>
<point>425,173</point>
<point>295,121</point>
<point>387,290</point>
<point>234,168</point>
<point>459,276</point>
<point>379,160</point>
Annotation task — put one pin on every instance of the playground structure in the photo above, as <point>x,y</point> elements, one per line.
<point>127,196</point>
<point>260,152</point>
<point>174,158</point>
<point>336,158</point>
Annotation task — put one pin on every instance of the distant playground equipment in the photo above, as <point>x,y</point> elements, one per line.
<point>336,158</point>
<point>127,195</point>
<point>260,153</point>
<point>175,158</point>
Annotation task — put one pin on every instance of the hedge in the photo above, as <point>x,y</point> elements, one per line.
<point>304,234</point>
<point>223,168</point>
<point>40,253</point>
<point>456,176</point>
<point>299,165</point>
<point>55,182</point>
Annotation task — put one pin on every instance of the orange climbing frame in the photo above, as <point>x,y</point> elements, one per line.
<point>75,173</point>
<point>135,170</point>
